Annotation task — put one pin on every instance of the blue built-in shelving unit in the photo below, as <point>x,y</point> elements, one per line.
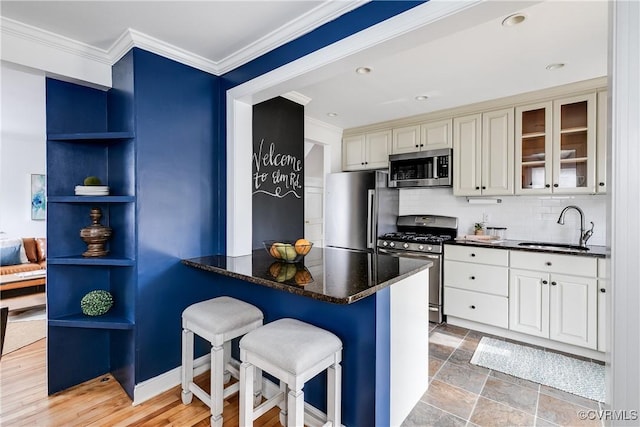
<point>81,141</point>
<point>151,138</point>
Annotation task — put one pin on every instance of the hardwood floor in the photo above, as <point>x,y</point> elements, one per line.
<point>98,402</point>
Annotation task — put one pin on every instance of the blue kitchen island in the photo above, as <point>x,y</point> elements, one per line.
<point>376,304</point>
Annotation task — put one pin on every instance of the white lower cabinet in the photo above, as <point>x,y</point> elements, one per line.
<point>477,307</point>
<point>476,284</point>
<point>551,296</point>
<point>529,302</point>
<point>556,306</point>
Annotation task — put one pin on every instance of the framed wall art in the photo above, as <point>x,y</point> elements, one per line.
<point>38,197</point>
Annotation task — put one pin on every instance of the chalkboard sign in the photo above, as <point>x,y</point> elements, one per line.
<point>278,171</point>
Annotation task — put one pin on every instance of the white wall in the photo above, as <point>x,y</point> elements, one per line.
<point>526,217</point>
<point>22,147</point>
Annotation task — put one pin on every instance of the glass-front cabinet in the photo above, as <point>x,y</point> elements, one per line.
<point>555,146</point>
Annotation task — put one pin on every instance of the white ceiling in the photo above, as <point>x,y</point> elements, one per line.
<point>462,59</point>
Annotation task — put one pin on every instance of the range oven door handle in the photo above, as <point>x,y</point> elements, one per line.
<point>371,219</point>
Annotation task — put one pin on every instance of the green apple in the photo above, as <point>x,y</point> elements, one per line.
<point>287,252</point>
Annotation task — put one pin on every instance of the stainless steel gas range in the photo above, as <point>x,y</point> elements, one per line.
<point>423,236</point>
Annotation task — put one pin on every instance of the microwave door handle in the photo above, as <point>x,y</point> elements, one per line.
<point>371,194</point>
<point>436,172</point>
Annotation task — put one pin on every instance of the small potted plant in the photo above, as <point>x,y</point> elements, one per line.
<point>478,228</point>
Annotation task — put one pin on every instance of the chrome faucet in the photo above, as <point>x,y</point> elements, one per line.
<point>584,234</point>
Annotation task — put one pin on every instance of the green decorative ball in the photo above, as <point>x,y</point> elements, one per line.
<point>96,303</point>
<point>92,180</point>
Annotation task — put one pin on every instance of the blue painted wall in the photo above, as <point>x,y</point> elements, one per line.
<point>176,117</point>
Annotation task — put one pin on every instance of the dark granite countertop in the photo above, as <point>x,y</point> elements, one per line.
<point>594,251</point>
<point>337,276</point>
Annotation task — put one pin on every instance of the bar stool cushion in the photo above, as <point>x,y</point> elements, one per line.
<point>221,315</point>
<point>290,344</point>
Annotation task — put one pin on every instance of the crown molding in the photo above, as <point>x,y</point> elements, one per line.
<point>131,38</point>
<point>33,34</point>
<point>297,97</point>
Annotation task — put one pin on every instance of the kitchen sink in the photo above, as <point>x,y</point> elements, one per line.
<point>553,246</point>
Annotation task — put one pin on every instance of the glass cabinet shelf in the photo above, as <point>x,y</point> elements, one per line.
<point>533,135</point>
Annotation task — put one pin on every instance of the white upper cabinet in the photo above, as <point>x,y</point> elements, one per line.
<point>426,136</point>
<point>483,153</point>
<point>467,155</point>
<point>406,140</point>
<point>555,146</point>
<point>436,135</point>
<point>601,143</point>
<point>497,152</point>
<point>534,142</point>
<point>366,151</point>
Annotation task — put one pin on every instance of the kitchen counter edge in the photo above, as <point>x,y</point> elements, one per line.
<point>593,252</point>
<point>357,296</point>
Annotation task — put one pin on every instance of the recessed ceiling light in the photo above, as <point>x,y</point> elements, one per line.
<point>515,19</point>
<point>332,114</point>
<point>421,98</point>
<point>555,66</point>
<point>363,70</point>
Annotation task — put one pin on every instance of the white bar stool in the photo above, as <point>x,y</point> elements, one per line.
<point>218,320</point>
<point>294,352</point>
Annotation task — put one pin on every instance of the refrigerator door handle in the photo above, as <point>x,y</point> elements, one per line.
<point>371,218</point>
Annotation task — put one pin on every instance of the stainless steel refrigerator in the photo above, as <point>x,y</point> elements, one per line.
<point>359,208</point>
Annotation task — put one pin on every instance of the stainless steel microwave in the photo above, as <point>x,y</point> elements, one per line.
<point>430,168</point>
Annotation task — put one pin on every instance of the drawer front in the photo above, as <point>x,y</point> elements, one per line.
<point>477,307</point>
<point>477,255</point>
<point>553,263</point>
<point>490,279</point>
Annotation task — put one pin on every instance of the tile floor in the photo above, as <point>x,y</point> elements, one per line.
<point>462,394</point>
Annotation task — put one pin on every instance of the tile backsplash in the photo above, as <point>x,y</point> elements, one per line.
<point>526,217</point>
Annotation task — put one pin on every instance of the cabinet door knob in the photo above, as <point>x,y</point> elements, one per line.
<point>484,188</point>
<point>473,277</point>
<point>601,184</point>
<point>477,188</point>
<point>473,307</point>
<point>547,185</point>
<point>553,283</point>
<point>544,282</point>
<point>555,185</point>
<point>548,263</point>
<point>603,290</point>
<point>421,145</point>
<point>362,163</point>
<point>417,145</point>
<point>473,255</point>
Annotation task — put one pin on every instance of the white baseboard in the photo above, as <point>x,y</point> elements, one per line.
<point>154,386</point>
<point>163,382</point>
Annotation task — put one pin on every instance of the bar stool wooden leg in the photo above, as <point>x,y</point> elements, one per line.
<point>227,359</point>
<point>246,394</point>
<point>295,408</point>
<point>187,365</point>
<point>217,369</point>
<point>257,386</point>
<point>283,404</point>
<point>334,394</point>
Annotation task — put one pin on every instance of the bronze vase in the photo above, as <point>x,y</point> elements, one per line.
<point>95,235</point>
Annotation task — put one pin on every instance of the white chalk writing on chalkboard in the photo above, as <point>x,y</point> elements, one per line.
<point>276,174</point>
